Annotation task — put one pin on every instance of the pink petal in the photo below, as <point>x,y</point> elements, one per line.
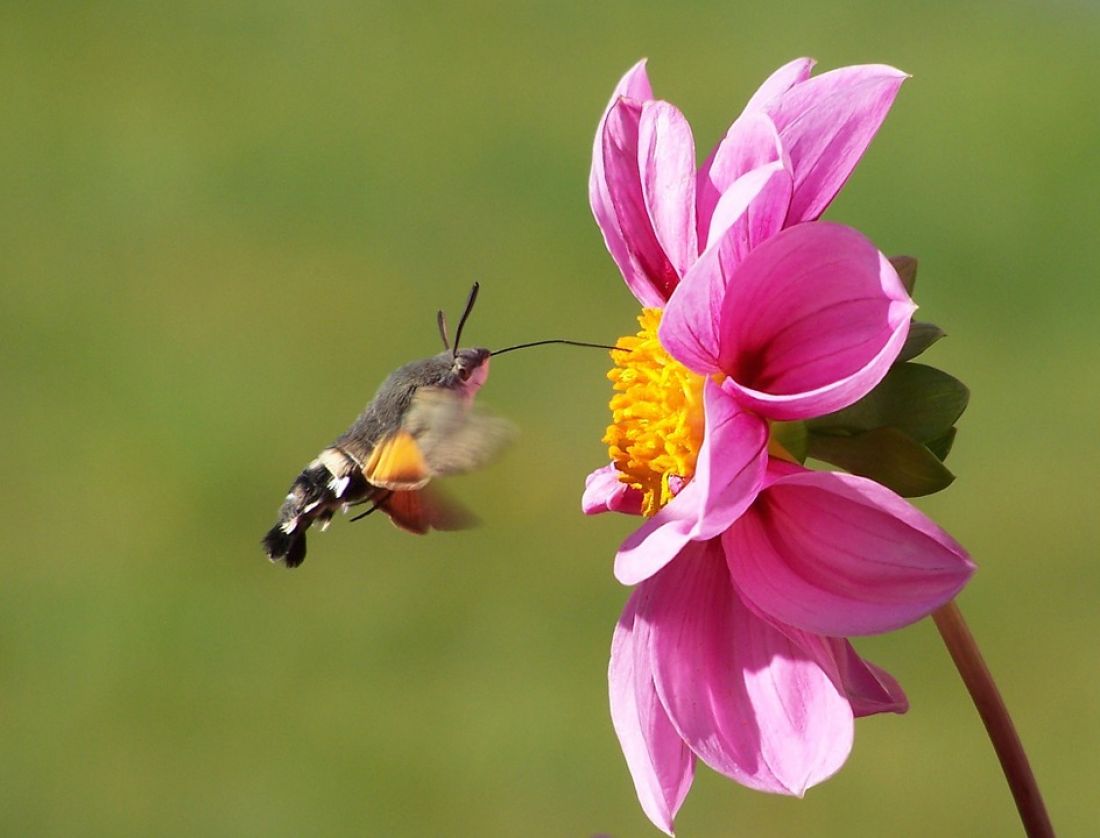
<point>870,689</point>
<point>748,700</point>
<point>666,159</point>
<point>605,492</point>
<point>752,141</point>
<point>780,82</point>
<point>728,474</point>
<point>756,205</point>
<point>645,266</point>
<point>840,555</point>
<point>750,211</point>
<point>635,86</point>
<point>825,124</point>
<point>812,320</point>
<point>660,763</point>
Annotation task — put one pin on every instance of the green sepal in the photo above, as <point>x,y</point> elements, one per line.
<point>906,266</point>
<point>918,400</point>
<point>921,336</point>
<point>794,437</point>
<point>887,456</point>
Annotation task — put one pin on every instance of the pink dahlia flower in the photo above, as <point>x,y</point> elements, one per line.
<point>751,569</point>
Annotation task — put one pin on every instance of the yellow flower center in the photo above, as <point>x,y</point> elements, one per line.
<point>656,416</point>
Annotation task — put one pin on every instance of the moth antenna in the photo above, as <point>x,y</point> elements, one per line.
<point>559,340</point>
<point>466,313</point>
<point>441,321</point>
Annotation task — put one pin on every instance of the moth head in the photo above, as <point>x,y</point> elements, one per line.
<point>470,368</point>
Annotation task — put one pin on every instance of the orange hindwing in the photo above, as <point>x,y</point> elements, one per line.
<point>397,463</point>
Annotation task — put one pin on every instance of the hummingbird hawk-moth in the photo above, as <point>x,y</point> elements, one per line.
<point>421,424</point>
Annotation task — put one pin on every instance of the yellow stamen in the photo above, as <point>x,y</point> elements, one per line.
<point>656,415</point>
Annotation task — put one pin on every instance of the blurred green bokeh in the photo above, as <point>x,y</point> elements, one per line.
<point>224,222</point>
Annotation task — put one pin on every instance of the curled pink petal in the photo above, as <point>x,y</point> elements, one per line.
<point>870,689</point>
<point>751,142</point>
<point>747,699</point>
<point>826,123</point>
<point>780,82</point>
<point>730,470</point>
<point>811,322</point>
<point>660,763</point>
<point>840,555</point>
<point>657,542</point>
<point>646,267</point>
<point>749,212</point>
<point>728,474</point>
<point>755,207</point>
<point>666,159</point>
<point>605,492</point>
<point>633,86</point>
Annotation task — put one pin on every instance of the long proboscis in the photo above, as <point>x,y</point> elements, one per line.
<point>559,340</point>
<point>441,321</point>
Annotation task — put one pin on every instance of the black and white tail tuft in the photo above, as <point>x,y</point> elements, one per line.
<point>324,486</point>
<point>287,548</point>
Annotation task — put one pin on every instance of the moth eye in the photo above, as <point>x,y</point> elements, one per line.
<point>463,373</point>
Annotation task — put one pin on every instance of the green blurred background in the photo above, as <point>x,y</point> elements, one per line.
<point>224,222</point>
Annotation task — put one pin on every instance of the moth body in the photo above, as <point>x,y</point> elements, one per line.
<point>420,424</point>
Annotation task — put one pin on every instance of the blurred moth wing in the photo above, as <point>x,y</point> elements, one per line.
<point>442,433</point>
<point>428,509</point>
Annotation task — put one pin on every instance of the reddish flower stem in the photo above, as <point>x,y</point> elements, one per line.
<point>998,724</point>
